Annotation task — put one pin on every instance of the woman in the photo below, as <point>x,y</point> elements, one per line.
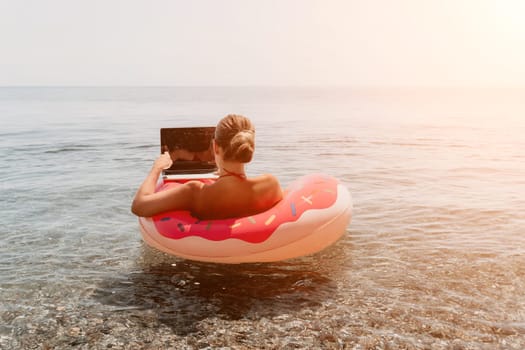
<point>232,195</point>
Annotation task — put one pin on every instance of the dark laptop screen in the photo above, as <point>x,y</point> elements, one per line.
<point>190,149</point>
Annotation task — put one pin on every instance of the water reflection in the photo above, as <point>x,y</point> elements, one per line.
<point>182,293</point>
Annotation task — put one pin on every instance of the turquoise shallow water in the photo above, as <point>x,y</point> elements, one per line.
<point>434,257</point>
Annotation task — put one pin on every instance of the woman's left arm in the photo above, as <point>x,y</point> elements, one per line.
<point>147,202</point>
<point>147,189</point>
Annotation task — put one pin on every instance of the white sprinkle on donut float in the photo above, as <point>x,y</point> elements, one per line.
<point>314,213</point>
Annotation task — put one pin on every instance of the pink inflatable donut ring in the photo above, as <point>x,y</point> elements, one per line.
<point>313,214</point>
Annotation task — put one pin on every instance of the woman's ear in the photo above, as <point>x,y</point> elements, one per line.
<point>215,147</point>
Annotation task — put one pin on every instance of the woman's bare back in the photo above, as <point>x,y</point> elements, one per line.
<point>231,196</point>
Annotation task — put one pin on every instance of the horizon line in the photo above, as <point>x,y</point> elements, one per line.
<point>340,86</point>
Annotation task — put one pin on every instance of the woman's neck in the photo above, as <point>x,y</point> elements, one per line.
<point>231,168</point>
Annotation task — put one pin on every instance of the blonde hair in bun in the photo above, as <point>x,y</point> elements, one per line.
<point>235,134</point>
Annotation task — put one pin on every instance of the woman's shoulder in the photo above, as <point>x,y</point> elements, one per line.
<point>268,179</point>
<point>268,187</point>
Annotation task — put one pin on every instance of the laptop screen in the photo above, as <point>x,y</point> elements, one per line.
<point>190,149</point>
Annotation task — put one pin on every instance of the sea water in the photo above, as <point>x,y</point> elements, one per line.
<point>434,257</point>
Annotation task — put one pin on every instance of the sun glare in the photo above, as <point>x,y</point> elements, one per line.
<point>510,16</point>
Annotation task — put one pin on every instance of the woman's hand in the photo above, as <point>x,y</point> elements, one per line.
<point>163,161</point>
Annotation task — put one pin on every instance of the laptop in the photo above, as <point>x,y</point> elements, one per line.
<point>191,150</point>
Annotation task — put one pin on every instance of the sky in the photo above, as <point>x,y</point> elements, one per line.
<point>262,43</point>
